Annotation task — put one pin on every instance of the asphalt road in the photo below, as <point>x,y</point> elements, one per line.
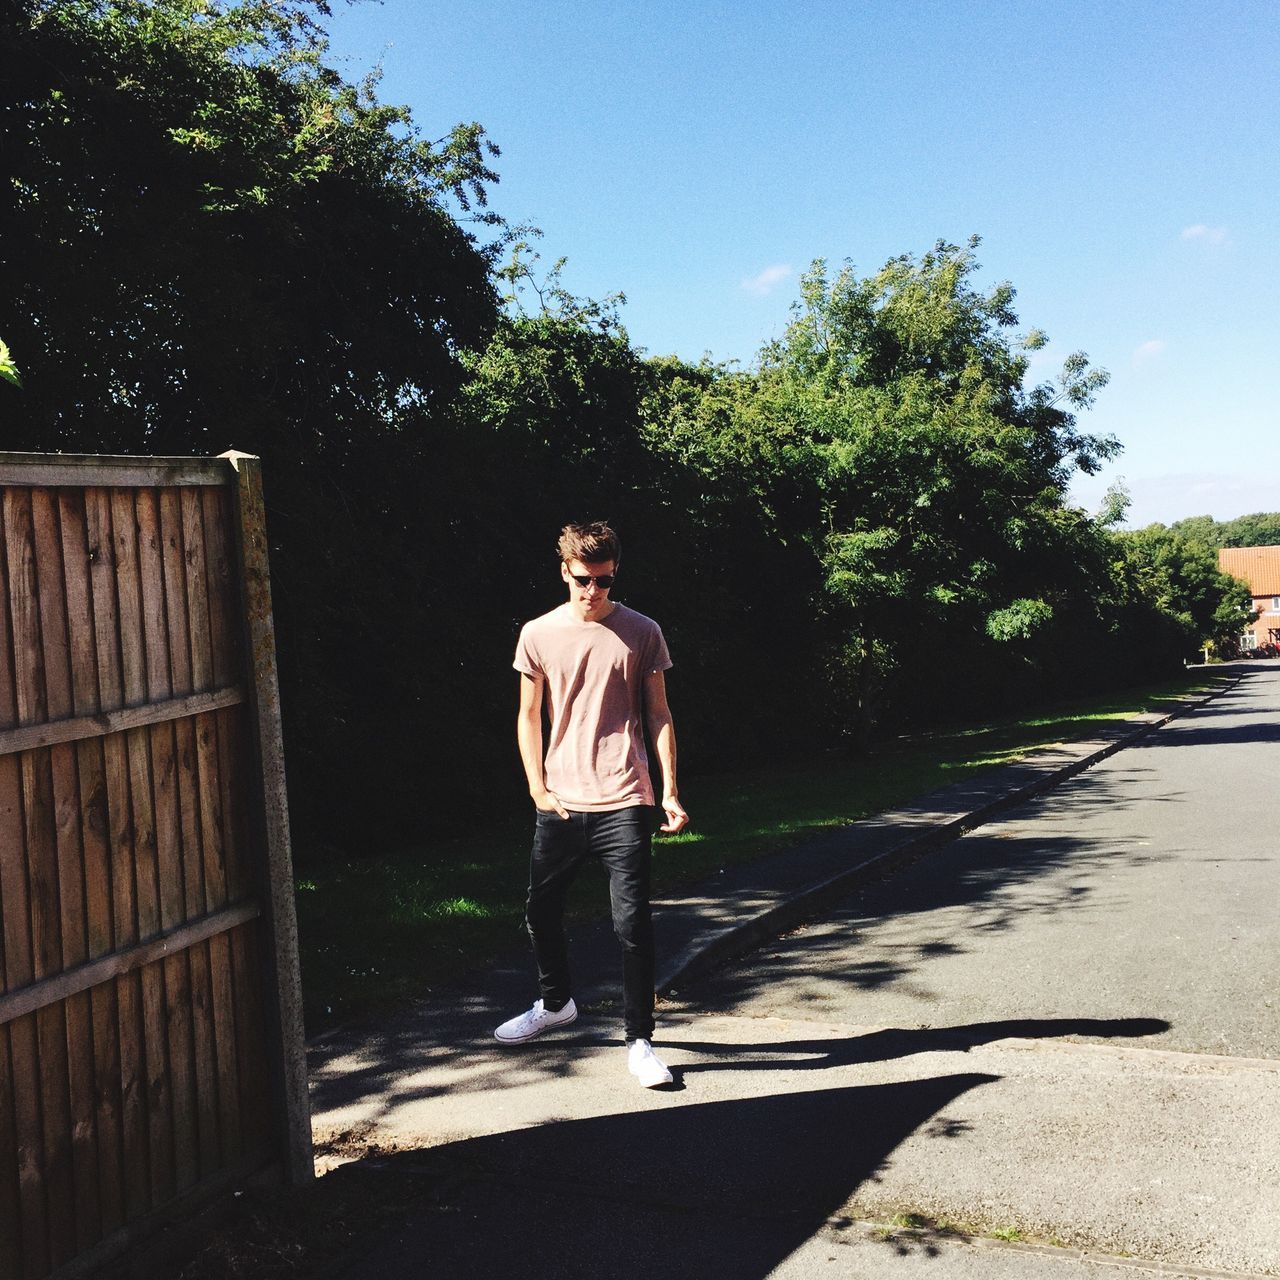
<point>1146,887</point>
<point>1057,1035</point>
<point>1101,963</point>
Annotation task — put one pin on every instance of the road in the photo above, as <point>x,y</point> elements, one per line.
<point>1124,930</point>
<point>1148,886</point>
<point>1058,1034</point>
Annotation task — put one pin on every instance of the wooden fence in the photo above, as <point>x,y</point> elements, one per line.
<point>150,1014</point>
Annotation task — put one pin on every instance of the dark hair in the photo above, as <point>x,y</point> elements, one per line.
<point>591,543</point>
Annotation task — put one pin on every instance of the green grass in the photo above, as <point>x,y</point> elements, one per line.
<point>915,1221</point>
<point>378,929</point>
<point>924,1228</point>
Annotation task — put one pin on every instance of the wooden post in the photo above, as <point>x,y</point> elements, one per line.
<point>284,1004</point>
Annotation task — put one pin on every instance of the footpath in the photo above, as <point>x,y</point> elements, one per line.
<point>548,1160</point>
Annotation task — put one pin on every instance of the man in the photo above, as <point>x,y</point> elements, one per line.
<point>599,666</point>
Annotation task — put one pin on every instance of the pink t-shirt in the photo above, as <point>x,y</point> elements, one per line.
<point>594,673</point>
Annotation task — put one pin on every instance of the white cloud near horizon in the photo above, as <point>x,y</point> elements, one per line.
<point>1210,235</point>
<point>1176,495</point>
<point>1149,351</point>
<point>763,284</point>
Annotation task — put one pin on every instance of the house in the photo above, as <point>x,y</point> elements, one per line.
<point>1260,568</point>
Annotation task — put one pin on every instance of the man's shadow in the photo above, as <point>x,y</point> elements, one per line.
<point>895,1042</point>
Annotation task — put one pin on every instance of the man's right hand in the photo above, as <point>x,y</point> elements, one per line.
<point>549,802</point>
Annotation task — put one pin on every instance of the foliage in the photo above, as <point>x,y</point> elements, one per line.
<point>890,429</point>
<point>205,226</point>
<point>1115,505</point>
<point>1259,529</point>
<point>556,414</point>
<point>211,239</point>
<point>1178,573</point>
<point>8,369</point>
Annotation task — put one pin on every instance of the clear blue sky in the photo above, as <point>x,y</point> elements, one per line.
<point>1121,162</point>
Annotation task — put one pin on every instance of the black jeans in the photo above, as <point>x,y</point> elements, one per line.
<point>620,838</point>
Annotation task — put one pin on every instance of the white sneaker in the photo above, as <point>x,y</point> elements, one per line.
<point>646,1066</point>
<point>527,1025</point>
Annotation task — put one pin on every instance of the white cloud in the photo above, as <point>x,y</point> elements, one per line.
<point>1210,235</point>
<point>768,280</point>
<point>1177,495</point>
<point>1222,495</point>
<point>1149,351</point>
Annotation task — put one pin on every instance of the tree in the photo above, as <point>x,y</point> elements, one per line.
<point>560,415</point>
<point>1178,574</point>
<point>889,428</point>
<point>8,367</point>
<point>1259,529</point>
<point>209,238</point>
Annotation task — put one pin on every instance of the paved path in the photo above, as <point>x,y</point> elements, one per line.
<point>1057,1025</point>
<point>1143,895</point>
<point>1147,886</point>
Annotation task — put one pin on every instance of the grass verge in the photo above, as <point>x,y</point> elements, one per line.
<point>379,929</point>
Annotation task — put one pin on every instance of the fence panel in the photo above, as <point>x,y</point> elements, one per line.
<point>150,1025</point>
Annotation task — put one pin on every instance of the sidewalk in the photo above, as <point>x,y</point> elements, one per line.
<point>788,1149</point>
<point>780,1136</point>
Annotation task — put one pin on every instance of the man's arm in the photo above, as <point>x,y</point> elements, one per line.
<point>662,733</point>
<point>529,736</point>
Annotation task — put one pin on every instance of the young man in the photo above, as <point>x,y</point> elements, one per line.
<point>599,666</point>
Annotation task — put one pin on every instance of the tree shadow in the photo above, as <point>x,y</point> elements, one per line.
<point>1197,733</point>
<point>1245,713</point>
<point>1001,880</point>
<point>1072,849</point>
<point>670,1187</point>
<point>1035,864</point>
<point>1002,884</point>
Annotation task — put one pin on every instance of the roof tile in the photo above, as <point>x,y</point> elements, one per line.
<point>1258,566</point>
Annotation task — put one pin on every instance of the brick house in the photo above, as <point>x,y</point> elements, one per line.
<point>1260,568</point>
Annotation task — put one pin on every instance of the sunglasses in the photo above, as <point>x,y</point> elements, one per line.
<point>602,580</point>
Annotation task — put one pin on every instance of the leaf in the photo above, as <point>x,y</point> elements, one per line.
<point>8,370</point>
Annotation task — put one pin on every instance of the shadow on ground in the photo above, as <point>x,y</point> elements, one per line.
<point>727,1188</point>
<point>999,880</point>
<point>1001,884</point>
<point>1042,859</point>
<point>1196,733</point>
<point>1250,715</point>
<point>723,1188</point>
<point>400,1062</point>
<point>890,1043</point>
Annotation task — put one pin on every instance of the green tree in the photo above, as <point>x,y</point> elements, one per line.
<point>210,238</point>
<point>1258,529</point>
<point>1204,529</point>
<point>1178,574</point>
<point>890,429</point>
<point>8,368</point>
<point>559,416</point>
